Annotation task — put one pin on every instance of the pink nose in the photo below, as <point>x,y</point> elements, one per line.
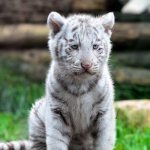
<point>86,66</point>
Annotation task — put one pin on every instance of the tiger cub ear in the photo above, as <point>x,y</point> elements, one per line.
<point>55,22</point>
<point>108,22</point>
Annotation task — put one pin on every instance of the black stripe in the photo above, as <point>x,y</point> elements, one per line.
<point>98,40</point>
<point>98,102</point>
<point>95,133</point>
<point>78,138</point>
<point>40,121</point>
<point>58,139</point>
<point>34,136</point>
<point>59,112</point>
<point>74,28</point>
<point>95,29</point>
<point>38,145</point>
<point>10,146</point>
<point>94,127</point>
<point>65,39</point>
<point>57,98</point>
<point>96,119</point>
<point>62,83</point>
<point>77,92</point>
<point>93,83</point>
<point>64,133</point>
<point>22,146</point>
<point>39,142</point>
<point>74,36</point>
<point>71,40</point>
<point>101,96</point>
<point>56,51</point>
<point>72,122</point>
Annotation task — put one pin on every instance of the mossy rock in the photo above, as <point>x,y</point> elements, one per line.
<point>33,63</point>
<point>136,113</point>
<point>131,75</point>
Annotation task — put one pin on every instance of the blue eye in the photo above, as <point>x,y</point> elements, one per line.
<point>95,46</point>
<point>75,46</point>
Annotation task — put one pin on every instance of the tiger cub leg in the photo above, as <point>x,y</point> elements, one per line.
<point>106,135</point>
<point>37,127</point>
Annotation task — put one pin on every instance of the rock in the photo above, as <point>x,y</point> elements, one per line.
<point>88,5</point>
<point>34,63</point>
<point>23,36</point>
<point>131,75</point>
<point>134,112</point>
<point>132,18</point>
<point>131,35</point>
<point>32,71</point>
<point>125,35</point>
<point>17,11</point>
<point>32,56</point>
<point>136,6</point>
<point>31,11</point>
<point>131,59</point>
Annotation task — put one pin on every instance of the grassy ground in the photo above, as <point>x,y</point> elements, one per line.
<point>12,127</point>
<point>132,138</point>
<point>17,94</point>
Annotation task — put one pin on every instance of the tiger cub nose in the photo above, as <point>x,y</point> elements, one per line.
<point>86,66</point>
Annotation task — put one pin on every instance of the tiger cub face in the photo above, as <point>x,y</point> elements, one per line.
<point>80,44</point>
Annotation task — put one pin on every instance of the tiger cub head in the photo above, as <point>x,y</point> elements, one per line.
<point>80,44</point>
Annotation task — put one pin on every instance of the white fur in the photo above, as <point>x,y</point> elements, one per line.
<point>80,108</point>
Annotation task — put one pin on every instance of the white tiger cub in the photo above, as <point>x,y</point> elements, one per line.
<point>77,111</point>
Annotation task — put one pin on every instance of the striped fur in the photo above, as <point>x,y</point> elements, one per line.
<point>77,111</point>
<point>16,145</point>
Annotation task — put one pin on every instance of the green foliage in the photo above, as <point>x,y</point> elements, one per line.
<point>131,138</point>
<point>17,93</point>
<point>128,91</point>
<point>12,128</point>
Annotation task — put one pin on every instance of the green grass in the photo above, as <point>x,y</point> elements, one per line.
<point>132,138</point>
<point>12,127</point>
<point>17,94</point>
<point>127,91</point>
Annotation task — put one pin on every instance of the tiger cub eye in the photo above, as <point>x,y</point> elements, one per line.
<point>95,46</point>
<point>75,46</point>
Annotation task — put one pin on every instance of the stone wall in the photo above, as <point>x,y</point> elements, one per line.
<point>14,11</point>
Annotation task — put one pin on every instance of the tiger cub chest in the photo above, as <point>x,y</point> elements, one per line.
<point>82,113</point>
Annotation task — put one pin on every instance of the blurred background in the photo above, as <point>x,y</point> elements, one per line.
<point>24,60</point>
